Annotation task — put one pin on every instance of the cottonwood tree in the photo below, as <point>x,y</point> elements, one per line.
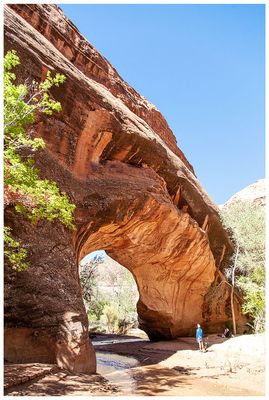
<point>246,223</point>
<point>109,293</point>
<point>89,276</point>
<point>34,197</point>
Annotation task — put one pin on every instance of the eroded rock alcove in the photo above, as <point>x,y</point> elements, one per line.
<point>136,197</point>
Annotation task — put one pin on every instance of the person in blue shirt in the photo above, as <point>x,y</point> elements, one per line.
<point>199,337</point>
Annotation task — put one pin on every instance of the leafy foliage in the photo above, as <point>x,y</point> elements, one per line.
<point>31,196</point>
<point>110,317</point>
<point>110,295</point>
<point>88,277</point>
<point>246,222</point>
<point>15,253</point>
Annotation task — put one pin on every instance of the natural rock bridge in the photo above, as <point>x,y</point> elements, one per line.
<point>136,197</point>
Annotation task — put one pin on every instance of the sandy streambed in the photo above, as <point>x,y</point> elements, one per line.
<point>138,367</point>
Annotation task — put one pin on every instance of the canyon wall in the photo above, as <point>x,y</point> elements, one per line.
<point>136,197</point>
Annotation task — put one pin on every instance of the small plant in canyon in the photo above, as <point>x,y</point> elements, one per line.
<point>34,197</point>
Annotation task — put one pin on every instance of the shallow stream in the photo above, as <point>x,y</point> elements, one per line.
<point>116,368</point>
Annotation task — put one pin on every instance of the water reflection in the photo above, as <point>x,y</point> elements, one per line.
<point>120,339</point>
<point>117,369</point>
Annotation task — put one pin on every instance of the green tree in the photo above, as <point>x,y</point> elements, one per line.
<point>88,278</point>
<point>110,295</point>
<point>246,223</point>
<point>111,317</point>
<point>34,197</point>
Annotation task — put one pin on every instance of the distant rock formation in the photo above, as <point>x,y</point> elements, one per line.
<point>254,193</point>
<point>136,197</point>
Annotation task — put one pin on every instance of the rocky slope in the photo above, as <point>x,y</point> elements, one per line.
<point>254,193</point>
<point>136,197</point>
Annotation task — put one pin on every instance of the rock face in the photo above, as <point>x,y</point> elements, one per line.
<point>136,197</point>
<point>254,193</point>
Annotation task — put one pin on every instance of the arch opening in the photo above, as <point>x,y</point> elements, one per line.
<point>110,294</point>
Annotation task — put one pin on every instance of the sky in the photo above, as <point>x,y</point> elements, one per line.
<point>203,66</point>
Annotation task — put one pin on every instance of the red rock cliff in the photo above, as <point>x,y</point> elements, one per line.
<point>136,197</point>
<point>69,41</point>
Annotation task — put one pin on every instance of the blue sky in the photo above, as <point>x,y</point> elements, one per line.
<point>203,67</point>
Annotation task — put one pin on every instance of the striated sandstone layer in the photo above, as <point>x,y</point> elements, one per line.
<point>136,197</point>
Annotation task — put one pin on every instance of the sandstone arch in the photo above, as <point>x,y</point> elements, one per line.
<point>164,251</point>
<point>137,197</point>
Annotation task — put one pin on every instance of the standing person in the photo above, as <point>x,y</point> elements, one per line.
<point>226,333</point>
<point>199,337</point>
